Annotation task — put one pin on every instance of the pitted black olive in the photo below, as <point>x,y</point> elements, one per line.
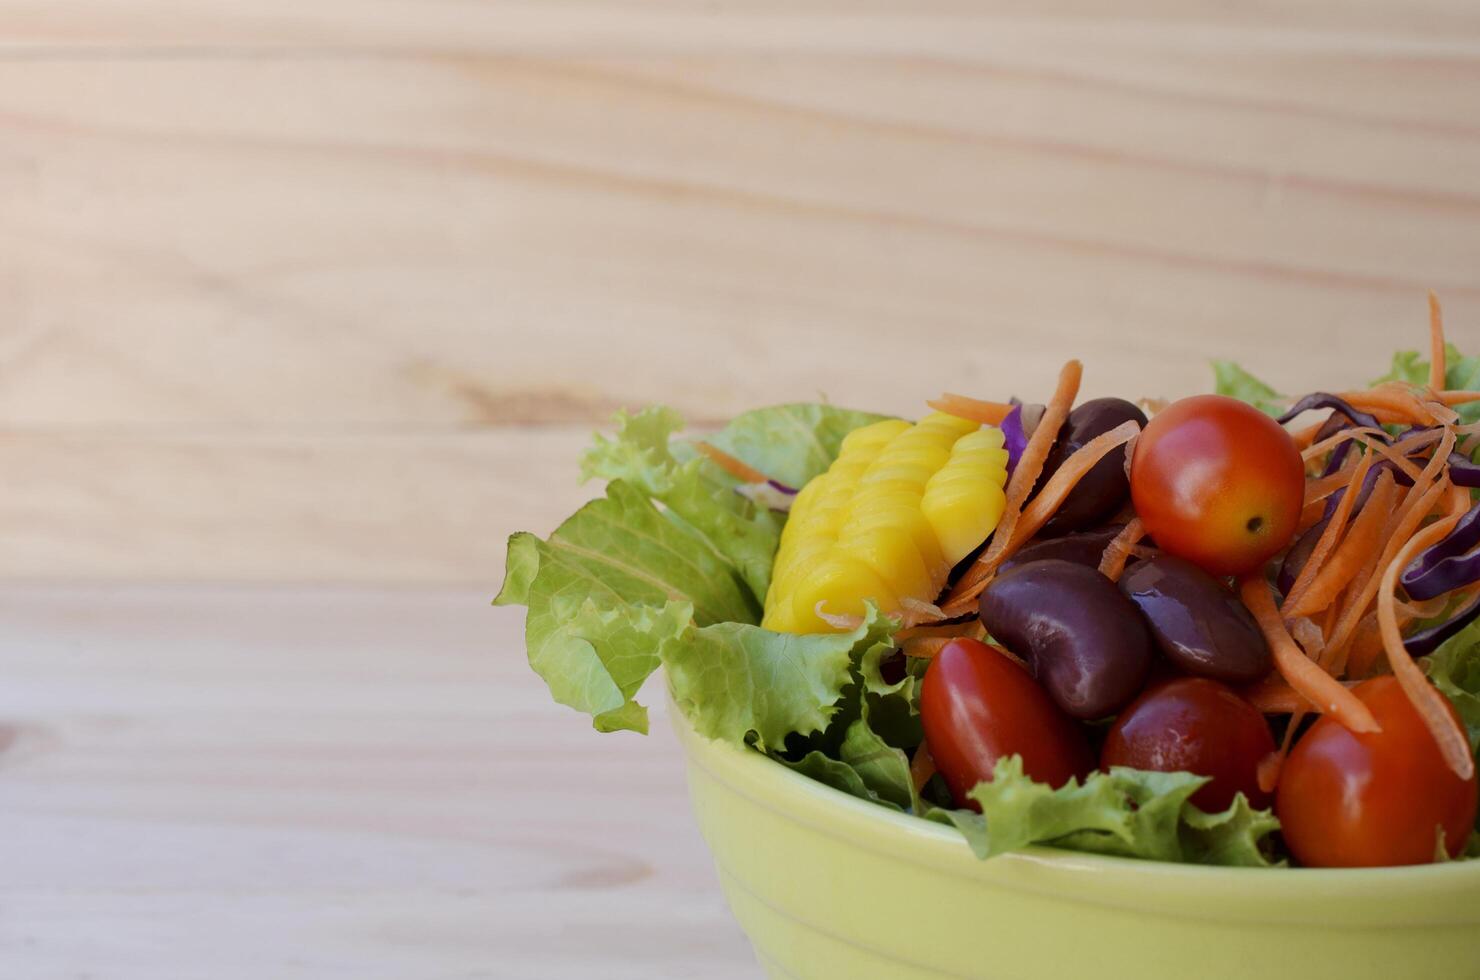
<point>1085,642</point>
<point>1199,625</point>
<point>1104,489</point>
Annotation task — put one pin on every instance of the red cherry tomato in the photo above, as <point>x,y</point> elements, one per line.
<point>1372,800</point>
<point>1195,725</point>
<point>977,706</point>
<point>1217,482</point>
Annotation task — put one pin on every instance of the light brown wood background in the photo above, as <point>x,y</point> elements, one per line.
<point>334,291</point>
<point>329,292</point>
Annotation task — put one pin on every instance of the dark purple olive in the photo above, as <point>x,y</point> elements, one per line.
<point>1082,548</point>
<point>1104,489</point>
<point>1084,641</point>
<point>1199,625</point>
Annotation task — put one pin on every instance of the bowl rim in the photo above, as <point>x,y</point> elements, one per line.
<point>773,786</point>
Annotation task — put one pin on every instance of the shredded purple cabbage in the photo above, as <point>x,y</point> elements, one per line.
<point>1464,471</point>
<point>1299,554</point>
<point>1014,438</point>
<point>1429,640</point>
<point>1321,399</point>
<point>1448,564</point>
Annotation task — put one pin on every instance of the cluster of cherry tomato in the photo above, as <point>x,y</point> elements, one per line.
<point>1218,484</point>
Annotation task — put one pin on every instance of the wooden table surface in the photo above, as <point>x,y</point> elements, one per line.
<point>305,306</point>
<point>268,783</point>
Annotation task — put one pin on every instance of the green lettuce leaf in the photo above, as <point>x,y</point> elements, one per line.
<point>1235,382</point>
<point>609,587</point>
<point>1455,670</point>
<point>731,679</point>
<point>791,443</point>
<point>867,767</point>
<point>1460,374</point>
<point>1125,812</point>
<point>671,566</point>
<point>693,489</point>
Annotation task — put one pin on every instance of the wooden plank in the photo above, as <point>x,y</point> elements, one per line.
<point>255,783</point>
<point>646,26</point>
<point>443,241</point>
<point>417,509</point>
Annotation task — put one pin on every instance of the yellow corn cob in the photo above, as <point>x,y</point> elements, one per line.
<point>899,506</point>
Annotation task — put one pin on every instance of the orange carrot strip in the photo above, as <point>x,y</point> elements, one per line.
<point>1045,504</point>
<point>1452,398</point>
<point>737,468</point>
<point>948,630</point>
<point>1366,648</point>
<point>1373,440</point>
<point>1415,508</point>
<point>1319,488</point>
<point>971,409</point>
<point>1064,480</point>
<point>1390,401</point>
<point>1274,696</point>
<point>1436,344</point>
<point>1329,536</point>
<point>1363,540</point>
<point>1118,551</point>
<point>1432,706</point>
<point>1024,477</point>
<point>1300,671</point>
<point>1304,437</point>
<point>924,647</point>
<point>1419,501</point>
<point>922,766</point>
<point>1268,772</point>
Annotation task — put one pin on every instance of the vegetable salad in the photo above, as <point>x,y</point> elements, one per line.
<point>1237,629</point>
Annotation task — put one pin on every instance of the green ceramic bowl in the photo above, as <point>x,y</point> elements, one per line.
<point>833,888</point>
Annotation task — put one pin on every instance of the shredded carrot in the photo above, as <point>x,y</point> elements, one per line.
<point>971,409</point>
<point>1424,610</point>
<point>1436,344</point>
<point>737,468</point>
<point>922,767</point>
<point>924,647</point>
<point>947,630</point>
<point>914,612</point>
<point>1374,439</point>
<point>1304,437</point>
<point>1360,543</point>
<point>1452,398</point>
<point>1300,671</point>
<point>1365,649</point>
<point>1329,620</point>
<point>1268,772</point>
<point>1331,534</point>
<point>1118,551</point>
<point>1024,478</point>
<point>1319,488</point>
<point>1064,480</point>
<point>1390,401</point>
<point>1273,696</point>
<point>1044,505</point>
<point>1417,504</point>
<point>1415,508</point>
<point>1432,706</point>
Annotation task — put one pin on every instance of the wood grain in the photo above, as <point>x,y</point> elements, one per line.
<point>258,261</point>
<point>313,784</point>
